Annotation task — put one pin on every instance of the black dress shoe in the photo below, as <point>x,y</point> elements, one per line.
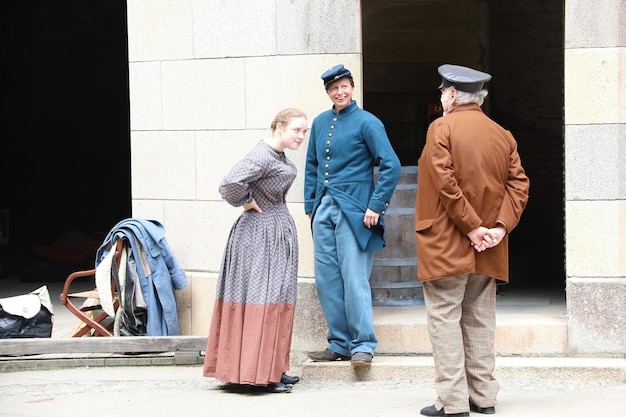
<point>482,410</point>
<point>278,388</point>
<point>289,380</point>
<point>432,411</point>
<point>327,355</point>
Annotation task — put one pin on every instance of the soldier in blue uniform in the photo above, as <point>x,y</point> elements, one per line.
<point>346,208</point>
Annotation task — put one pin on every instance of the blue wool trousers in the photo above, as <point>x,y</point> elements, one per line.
<point>342,272</point>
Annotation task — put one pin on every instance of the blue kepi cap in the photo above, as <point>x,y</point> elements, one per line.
<point>462,78</point>
<point>335,73</point>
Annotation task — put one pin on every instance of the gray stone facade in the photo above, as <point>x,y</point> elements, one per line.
<point>206,78</point>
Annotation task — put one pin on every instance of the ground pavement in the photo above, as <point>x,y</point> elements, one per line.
<point>175,391</point>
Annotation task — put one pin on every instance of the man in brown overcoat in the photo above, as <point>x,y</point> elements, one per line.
<point>472,190</point>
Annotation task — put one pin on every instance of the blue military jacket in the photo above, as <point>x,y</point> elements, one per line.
<point>159,278</point>
<point>343,150</point>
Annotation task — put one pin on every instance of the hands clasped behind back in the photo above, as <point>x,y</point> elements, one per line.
<point>483,238</point>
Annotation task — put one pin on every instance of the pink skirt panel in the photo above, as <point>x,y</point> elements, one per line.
<point>249,343</point>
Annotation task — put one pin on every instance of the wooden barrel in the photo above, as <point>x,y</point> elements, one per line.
<point>394,275</point>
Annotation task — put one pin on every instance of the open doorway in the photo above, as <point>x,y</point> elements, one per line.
<point>521,45</point>
<point>66,167</point>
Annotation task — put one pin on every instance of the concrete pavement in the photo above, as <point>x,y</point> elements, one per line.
<point>170,384</point>
<point>173,391</point>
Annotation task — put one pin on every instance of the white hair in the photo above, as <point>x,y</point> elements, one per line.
<point>464,97</point>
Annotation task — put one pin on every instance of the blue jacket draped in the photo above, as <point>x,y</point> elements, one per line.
<point>163,275</point>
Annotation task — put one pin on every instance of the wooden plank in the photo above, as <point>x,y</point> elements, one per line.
<point>135,344</point>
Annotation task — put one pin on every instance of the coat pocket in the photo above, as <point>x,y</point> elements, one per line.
<point>424,224</point>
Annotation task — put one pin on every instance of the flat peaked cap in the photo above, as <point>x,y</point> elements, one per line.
<point>335,73</point>
<point>462,78</point>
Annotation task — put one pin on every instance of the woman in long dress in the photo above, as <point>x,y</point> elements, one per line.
<point>251,327</point>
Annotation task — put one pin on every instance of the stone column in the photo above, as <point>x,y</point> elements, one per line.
<point>595,178</point>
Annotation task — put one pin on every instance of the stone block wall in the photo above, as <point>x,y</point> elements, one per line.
<point>205,80</point>
<point>595,120</point>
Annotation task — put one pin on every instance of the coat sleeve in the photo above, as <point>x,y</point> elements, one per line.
<point>388,165</point>
<point>517,188</point>
<point>442,173</point>
<point>310,172</point>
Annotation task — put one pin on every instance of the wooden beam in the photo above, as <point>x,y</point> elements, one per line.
<point>135,344</point>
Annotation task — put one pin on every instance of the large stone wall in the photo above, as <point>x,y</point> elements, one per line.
<point>206,78</point>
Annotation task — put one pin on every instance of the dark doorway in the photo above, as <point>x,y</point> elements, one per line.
<point>66,169</point>
<point>521,44</point>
